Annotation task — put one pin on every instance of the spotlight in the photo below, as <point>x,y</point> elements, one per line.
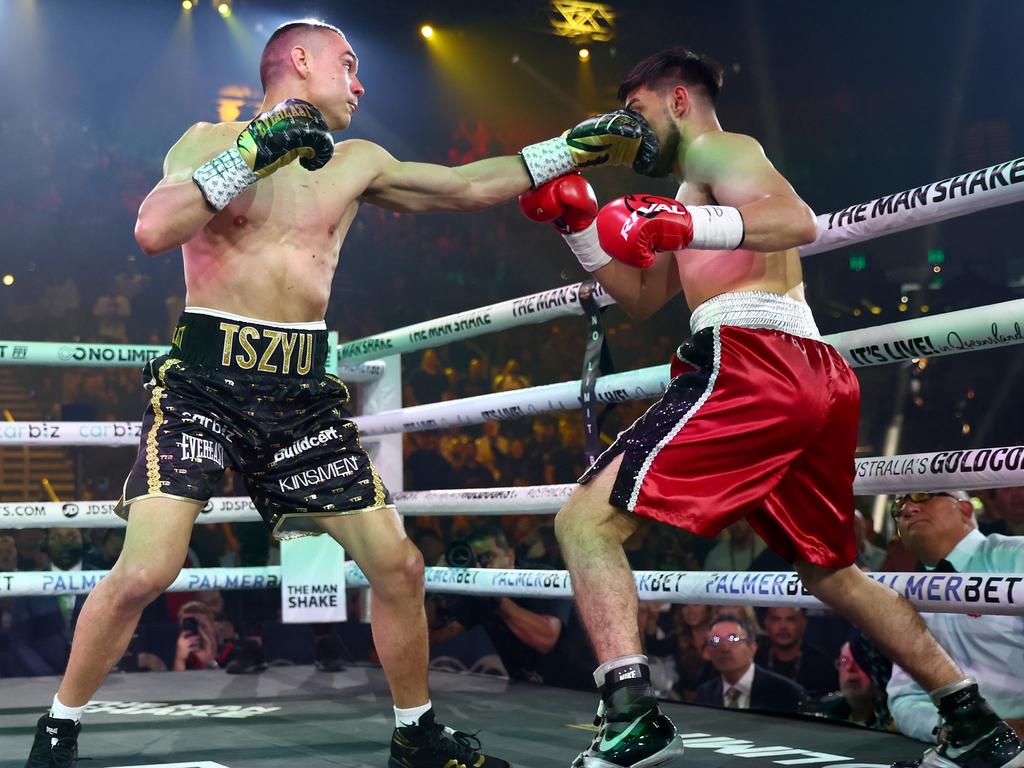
<point>8,279</point>
<point>427,31</point>
<point>583,53</point>
<point>224,8</point>
<point>187,4</point>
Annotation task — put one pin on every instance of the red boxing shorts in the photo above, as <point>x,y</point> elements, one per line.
<point>758,422</point>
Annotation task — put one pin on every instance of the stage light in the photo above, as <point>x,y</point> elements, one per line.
<point>224,8</point>
<point>583,53</point>
<point>187,4</point>
<point>8,279</point>
<point>427,31</point>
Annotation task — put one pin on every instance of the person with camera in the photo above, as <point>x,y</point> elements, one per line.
<point>201,645</point>
<point>539,640</point>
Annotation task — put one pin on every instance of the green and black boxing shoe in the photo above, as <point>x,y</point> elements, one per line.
<point>647,740</point>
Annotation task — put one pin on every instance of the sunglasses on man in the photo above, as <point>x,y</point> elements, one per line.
<point>900,502</point>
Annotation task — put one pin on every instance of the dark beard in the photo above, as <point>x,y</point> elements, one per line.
<point>667,153</point>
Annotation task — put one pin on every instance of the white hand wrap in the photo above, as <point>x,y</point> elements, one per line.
<point>716,227</point>
<point>547,160</point>
<point>588,250</point>
<point>223,178</point>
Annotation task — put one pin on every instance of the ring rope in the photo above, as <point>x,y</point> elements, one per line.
<point>994,593</point>
<point>967,469</point>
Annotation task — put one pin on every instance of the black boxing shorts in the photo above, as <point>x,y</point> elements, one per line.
<point>254,396</point>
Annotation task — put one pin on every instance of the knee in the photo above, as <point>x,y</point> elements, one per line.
<point>399,574</point>
<point>136,586</point>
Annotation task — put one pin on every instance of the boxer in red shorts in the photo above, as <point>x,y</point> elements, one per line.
<point>759,420</point>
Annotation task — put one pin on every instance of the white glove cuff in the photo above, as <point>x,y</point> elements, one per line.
<point>716,227</point>
<point>547,160</point>
<point>223,178</point>
<point>587,248</point>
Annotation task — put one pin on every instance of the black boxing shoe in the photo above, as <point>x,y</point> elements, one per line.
<point>55,745</point>
<point>432,745</point>
<point>970,735</point>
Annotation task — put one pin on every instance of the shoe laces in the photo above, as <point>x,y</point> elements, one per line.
<point>467,745</point>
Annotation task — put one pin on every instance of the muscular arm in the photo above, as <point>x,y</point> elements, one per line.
<point>423,187</point>
<point>641,292</point>
<point>175,211</point>
<point>539,631</point>
<point>738,174</point>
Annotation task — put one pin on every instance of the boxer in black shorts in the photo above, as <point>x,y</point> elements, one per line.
<point>260,237</point>
<point>233,392</point>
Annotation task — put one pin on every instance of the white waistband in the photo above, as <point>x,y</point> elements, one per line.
<point>758,310</point>
<point>315,325</point>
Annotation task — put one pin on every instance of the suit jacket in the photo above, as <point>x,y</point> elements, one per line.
<point>769,691</point>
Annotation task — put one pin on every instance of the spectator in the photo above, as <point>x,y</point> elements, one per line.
<point>8,563</point>
<point>470,473</point>
<point>869,556</point>
<point>1008,508</point>
<point>103,556</point>
<point>514,468</point>
<point>858,699</point>
<point>426,468</point>
<point>939,528</point>
<point>491,446</point>
<point>41,626</point>
<point>658,645</point>
<point>539,640</point>
<point>742,684</point>
<point>430,544</point>
<point>476,382</point>
<point>510,378</point>
<point>690,626</point>
<point>31,556</point>
<point>736,552</point>
<point>788,655</point>
<point>201,643</point>
<point>427,384</point>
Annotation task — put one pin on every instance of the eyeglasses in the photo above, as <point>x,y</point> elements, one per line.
<point>717,640</point>
<point>845,662</point>
<point>900,502</point>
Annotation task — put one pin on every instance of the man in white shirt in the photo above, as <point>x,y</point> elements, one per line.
<point>940,528</point>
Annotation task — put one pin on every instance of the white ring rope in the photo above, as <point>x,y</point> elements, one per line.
<point>966,330</point>
<point>989,593</point>
<point>968,469</point>
<point>956,196</point>
<point>128,356</point>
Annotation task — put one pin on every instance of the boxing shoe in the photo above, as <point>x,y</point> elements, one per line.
<point>432,745</point>
<point>55,745</point>
<point>970,735</point>
<point>644,738</point>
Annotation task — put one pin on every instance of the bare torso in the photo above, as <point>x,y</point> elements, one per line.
<point>272,253</point>
<point>705,274</point>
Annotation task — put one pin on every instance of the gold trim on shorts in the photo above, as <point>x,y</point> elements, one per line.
<point>123,504</point>
<point>152,458</point>
<point>332,513</point>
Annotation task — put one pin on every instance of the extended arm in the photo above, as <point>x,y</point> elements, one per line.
<point>540,631</point>
<point>423,187</point>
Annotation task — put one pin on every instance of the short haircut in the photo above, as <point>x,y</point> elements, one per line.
<point>740,621</point>
<point>489,531</point>
<point>194,608</point>
<point>675,65</point>
<point>273,60</point>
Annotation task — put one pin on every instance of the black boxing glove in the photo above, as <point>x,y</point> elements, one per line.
<point>292,129</point>
<point>621,137</point>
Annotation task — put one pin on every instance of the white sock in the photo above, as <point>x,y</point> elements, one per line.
<point>61,712</point>
<point>411,716</point>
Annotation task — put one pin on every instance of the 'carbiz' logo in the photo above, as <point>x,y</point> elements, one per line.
<point>303,445</point>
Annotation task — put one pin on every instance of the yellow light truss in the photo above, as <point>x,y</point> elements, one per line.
<point>583,21</point>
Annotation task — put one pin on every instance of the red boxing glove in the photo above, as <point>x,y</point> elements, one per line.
<point>568,202</point>
<point>634,228</point>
